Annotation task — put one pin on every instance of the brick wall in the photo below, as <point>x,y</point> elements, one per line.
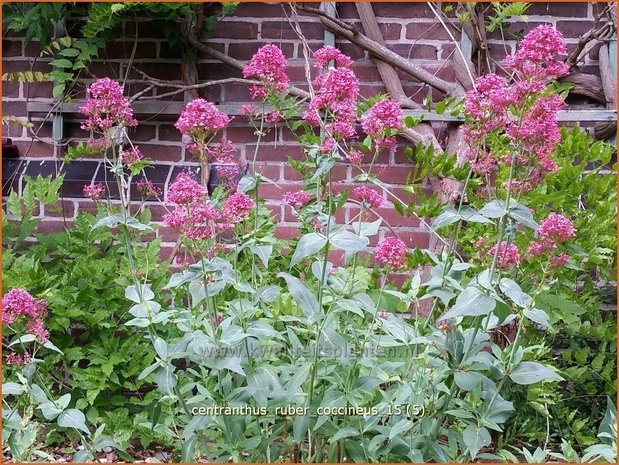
<point>409,29</point>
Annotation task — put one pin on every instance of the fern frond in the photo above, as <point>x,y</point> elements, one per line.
<point>505,11</point>
<point>26,76</point>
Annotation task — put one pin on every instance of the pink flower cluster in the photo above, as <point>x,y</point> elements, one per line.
<point>337,90</point>
<point>94,191</point>
<point>19,306</point>
<point>147,189</point>
<point>106,107</point>
<point>195,217</point>
<point>327,54</point>
<point>131,156</point>
<point>495,106</point>
<point>391,251</point>
<point>192,216</point>
<point>535,60</point>
<point>552,231</point>
<point>228,166</point>
<point>237,207</point>
<point>268,65</point>
<point>297,199</point>
<point>201,120</point>
<point>368,196</point>
<point>508,255</point>
<point>382,121</point>
<point>16,359</point>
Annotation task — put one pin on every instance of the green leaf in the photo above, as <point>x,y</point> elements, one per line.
<point>22,340</point>
<point>263,252</point>
<point>188,453</point>
<point>166,380</point>
<point>348,242</point>
<point>538,316</point>
<point>449,216</point>
<point>308,245</point>
<point>12,389</point>
<point>61,63</point>
<point>514,292</point>
<point>494,209</point>
<point>49,345</point>
<point>471,302</point>
<point>475,438</point>
<point>302,296</point>
<point>343,433</point>
<point>522,215</point>
<point>73,418</point>
<point>49,410</point>
<point>532,372</point>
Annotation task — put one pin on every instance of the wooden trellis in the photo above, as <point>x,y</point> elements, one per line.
<point>58,109</point>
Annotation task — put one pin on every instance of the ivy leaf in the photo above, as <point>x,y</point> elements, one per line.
<point>73,418</point>
<point>532,372</point>
<point>308,245</point>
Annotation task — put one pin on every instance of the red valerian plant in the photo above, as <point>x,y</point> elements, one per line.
<point>256,322</point>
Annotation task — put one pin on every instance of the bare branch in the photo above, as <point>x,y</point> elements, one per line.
<point>386,55</point>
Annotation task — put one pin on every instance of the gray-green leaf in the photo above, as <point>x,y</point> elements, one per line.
<point>73,418</point>
<point>533,372</point>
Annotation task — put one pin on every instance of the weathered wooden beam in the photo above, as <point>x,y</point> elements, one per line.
<point>152,107</point>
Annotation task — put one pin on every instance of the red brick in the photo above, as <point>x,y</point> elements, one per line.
<point>166,52</point>
<point>426,31</point>
<point>87,206</point>
<point>402,10</point>
<point>245,51</point>
<point>276,212</point>
<point>574,28</point>
<point>236,93</point>
<point>280,152</point>
<point>390,31</point>
<point>282,30</point>
<point>412,239</point>
<point>34,149</point>
<point>105,69</point>
<point>354,52</point>
<point>286,231</point>
<point>168,132</point>
<point>38,90</point>
<point>268,191</point>
<point>167,234</point>
<point>270,171</point>
<point>236,30</point>
<point>124,50</point>
<point>158,152</point>
<point>258,10</point>
<point>415,51</point>
<point>17,108</point>
<point>142,133</point>
<point>241,134</point>
<point>61,209</point>
<point>169,71</point>
<point>290,174</point>
<point>53,226</point>
<point>12,48</point>
<point>10,90</point>
<point>391,216</point>
<point>561,9</point>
